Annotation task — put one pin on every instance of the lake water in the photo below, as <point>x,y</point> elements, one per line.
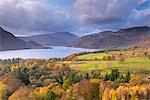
<point>56,52</point>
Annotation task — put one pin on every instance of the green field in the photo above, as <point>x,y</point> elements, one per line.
<point>136,64</point>
<point>91,56</point>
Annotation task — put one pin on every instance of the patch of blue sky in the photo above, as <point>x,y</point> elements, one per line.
<point>144,5</point>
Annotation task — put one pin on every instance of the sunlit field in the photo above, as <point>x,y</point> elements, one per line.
<point>134,61</point>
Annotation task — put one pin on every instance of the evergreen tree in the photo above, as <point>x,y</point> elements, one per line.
<point>106,77</point>
<point>24,76</point>
<point>50,96</point>
<point>127,77</point>
<point>114,74</point>
<point>85,75</point>
<point>96,73</point>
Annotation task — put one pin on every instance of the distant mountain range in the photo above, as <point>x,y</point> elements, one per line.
<point>9,42</point>
<point>52,39</point>
<point>124,38</point>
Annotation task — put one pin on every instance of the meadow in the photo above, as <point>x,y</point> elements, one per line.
<point>136,61</point>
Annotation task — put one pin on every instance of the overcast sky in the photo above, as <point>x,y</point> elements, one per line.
<point>27,17</point>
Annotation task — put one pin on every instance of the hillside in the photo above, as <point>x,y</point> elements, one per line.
<point>9,42</point>
<point>52,39</point>
<point>34,45</point>
<point>131,37</point>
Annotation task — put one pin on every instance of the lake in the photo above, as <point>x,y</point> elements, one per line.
<point>56,52</point>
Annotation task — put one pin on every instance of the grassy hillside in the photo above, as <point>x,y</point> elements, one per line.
<point>134,61</point>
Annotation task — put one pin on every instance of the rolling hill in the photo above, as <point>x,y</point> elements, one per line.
<point>52,39</point>
<point>131,37</point>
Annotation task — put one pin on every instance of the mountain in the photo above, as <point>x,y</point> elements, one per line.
<point>52,39</point>
<point>9,42</point>
<point>131,37</point>
<point>35,45</point>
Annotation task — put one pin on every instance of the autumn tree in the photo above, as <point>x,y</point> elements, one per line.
<point>21,94</point>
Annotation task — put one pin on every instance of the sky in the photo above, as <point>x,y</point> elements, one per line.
<point>81,17</point>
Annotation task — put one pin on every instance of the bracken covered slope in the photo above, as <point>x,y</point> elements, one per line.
<point>131,37</point>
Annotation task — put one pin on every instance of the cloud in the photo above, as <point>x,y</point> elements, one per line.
<point>78,16</point>
<point>113,14</point>
<point>139,18</point>
<point>31,16</point>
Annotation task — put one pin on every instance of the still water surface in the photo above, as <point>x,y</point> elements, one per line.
<point>56,52</point>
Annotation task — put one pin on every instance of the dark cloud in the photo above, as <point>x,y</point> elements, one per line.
<point>82,16</point>
<point>111,14</point>
<point>32,16</point>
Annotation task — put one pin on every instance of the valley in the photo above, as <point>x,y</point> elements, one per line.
<point>74,49</point>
